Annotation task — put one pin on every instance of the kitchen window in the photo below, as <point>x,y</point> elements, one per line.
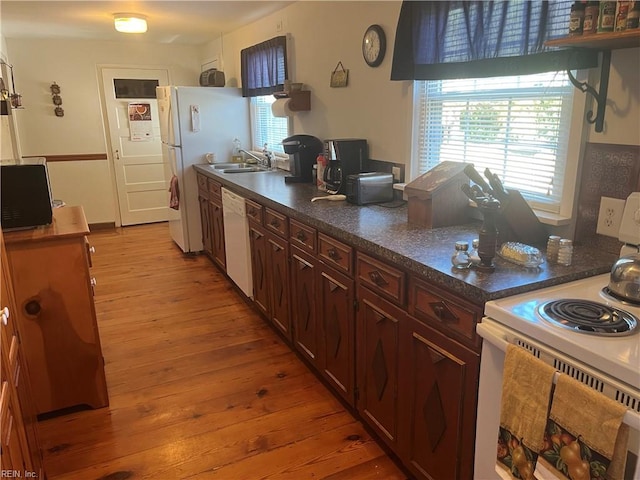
<point>520,127</point>
<point>265,128</point>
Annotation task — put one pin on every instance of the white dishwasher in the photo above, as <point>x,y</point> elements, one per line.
<point>236,239</point>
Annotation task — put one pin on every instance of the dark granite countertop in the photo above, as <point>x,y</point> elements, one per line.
<point>385,233</point>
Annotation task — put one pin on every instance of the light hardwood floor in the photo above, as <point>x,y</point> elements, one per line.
<point>199,385</point>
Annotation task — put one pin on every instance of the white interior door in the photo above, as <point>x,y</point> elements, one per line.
<point>136,149</point>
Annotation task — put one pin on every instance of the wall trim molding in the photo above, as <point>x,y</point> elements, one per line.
<point>102,226</point>
<point>72,158</point>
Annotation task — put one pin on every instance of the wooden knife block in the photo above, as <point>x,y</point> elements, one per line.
<point>522,225</point>
<point>435,198</point>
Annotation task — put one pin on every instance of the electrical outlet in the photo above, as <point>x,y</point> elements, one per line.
<point>610,216</point>
<point>396,173</point>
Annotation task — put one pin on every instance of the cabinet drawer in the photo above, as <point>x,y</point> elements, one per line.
<point>254,211</point>
<point>202,183</point>
<point>276,222</point>
<point>214,187</point>
<point>442,309</point>
<point>381,278</point>
<point>335,253</point>
<point>302,236</point>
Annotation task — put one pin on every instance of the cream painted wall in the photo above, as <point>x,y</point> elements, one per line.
<point>372,106</point>
<point>320,35</point>
<point>622,116</point>
<point>73,65</point>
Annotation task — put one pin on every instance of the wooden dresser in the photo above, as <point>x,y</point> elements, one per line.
<point>20,446</point>
<point>56,316</point>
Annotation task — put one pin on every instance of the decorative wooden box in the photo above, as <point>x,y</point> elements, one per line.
<point>435,198</point>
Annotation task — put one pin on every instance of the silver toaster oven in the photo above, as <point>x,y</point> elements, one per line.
<point>372,187</point>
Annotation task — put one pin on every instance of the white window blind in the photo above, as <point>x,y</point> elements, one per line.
<point>265,127</point>
<point>518,127</point>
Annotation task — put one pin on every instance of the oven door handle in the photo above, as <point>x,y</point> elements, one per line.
<point>493,335</point>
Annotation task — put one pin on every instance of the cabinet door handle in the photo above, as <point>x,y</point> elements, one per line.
<point>301,236</point>
<point>444,313</point>
<point>92,249</point>
<point>436,357</point>
<point>379,317</point>
<point>301,263</point>
<point>377,278</point>
<point>257,235</point>
<point>276,248</point>
<point>94,282</point>
<point>5,315</point>
<point>333,254</point>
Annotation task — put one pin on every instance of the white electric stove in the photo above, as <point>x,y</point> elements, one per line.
<point>616,354</point>
<point>608,361</point>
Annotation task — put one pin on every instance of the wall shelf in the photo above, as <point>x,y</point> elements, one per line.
<point>300,99</point>
<point>600,41</point>
<point>604,42</point>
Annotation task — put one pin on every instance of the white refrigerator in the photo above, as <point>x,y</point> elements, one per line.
<point>195,121</point>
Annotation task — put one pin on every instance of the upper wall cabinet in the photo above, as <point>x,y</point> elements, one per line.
<point>605,42</point>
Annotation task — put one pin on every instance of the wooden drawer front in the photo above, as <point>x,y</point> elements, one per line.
<point>202,182</point>
<point>276,222</point>
<point>254,211</point>
<point>303,236</point>
<point>456,315</point>
<point>214,187</point>
<point>381,278</point>
<point>335,253</point>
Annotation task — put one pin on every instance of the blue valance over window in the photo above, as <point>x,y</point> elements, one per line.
<point>438,40</point>
<point>264,67</point>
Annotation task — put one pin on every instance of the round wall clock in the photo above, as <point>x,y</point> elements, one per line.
<point>374,45</point>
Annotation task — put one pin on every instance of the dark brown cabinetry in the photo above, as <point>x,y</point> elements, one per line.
<point>205,215</point>
<point>278,269</point>
<point>417,385</point>
<point>205,221</point>
<point>212,219</point>
<point>258,242</point>
<point>304,316</point>
<point>337,325</point>
<point>270,265</point>
<point>218,252</point>
<point>378,348</point>
<point>439,384</point>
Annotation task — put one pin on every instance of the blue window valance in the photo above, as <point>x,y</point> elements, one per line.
<point>438,40</point>
<point>264,67</point>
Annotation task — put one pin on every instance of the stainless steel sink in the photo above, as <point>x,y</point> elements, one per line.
<point>239,167</point>
<point>224,166</point>
<point>249,169</point>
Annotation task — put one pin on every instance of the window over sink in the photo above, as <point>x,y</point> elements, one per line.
<point>265,128</point>
<point>520,127</point>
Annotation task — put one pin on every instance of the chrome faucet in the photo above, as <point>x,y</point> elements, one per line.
<point>256,158</point>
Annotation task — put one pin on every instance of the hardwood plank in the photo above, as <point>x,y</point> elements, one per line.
<point>199,385</point>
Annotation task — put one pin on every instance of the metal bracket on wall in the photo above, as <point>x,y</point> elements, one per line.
<point>599,96</point>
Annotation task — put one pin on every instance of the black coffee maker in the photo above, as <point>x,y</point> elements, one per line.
<point>303,151</point>
<point>346,156</point>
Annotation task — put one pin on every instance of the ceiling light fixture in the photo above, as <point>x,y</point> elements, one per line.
<point>130,22</point>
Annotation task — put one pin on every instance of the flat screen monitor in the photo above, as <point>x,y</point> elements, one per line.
<point>25,196</point>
